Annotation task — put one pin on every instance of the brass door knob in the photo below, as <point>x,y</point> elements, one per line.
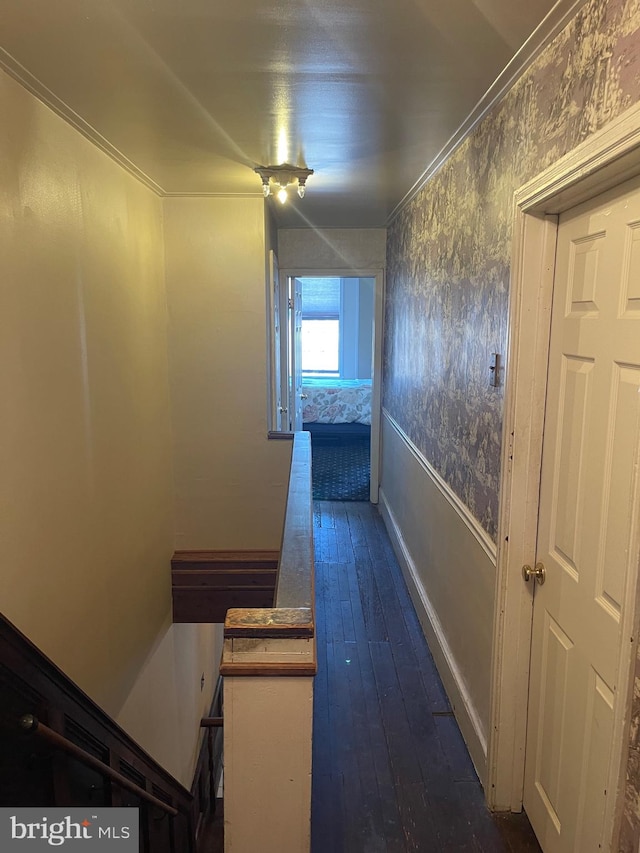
<point>539,574</point>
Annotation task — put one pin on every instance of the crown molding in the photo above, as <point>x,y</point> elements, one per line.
<point>554,22</point>
<point>30,82</point>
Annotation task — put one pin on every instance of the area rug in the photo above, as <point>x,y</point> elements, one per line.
<point>340,470</point>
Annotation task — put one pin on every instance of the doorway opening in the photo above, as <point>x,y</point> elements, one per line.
<point>336,366</point>
<point>326,359</point>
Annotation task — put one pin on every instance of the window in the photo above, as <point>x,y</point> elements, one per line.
<point>321,315</point>
<point>337,325</point>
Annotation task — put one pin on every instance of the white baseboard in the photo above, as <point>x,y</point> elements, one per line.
<point>465,712</point>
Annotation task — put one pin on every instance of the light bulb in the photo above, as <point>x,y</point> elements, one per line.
<point>301,190</point>
<point>282,195</point>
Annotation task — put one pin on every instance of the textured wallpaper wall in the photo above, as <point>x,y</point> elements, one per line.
<point>448,270</point>
<point>448,251</point>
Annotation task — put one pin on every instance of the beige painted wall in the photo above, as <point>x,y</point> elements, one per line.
<point>231,481</point>
<point>164,710</point>
<point>85,446</point>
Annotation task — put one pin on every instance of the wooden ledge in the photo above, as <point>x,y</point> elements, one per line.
<point>269,669</point>
<point>273,622</point>
<point>280,641</point>
<point>182,560</point>
<point>295,570</point>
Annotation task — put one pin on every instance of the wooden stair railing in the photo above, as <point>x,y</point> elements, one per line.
<point>78,756</point>
<point>31,724</point>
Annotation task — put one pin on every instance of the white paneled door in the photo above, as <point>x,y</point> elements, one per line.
<point>588,526</point>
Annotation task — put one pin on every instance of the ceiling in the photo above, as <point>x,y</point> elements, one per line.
<point>191,95</point>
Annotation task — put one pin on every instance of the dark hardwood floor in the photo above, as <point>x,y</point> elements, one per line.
<point>391,772</point>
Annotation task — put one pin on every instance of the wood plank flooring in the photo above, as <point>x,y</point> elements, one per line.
<point>391,773</point>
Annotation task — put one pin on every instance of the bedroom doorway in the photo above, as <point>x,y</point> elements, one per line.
<point>331,382</point>
<point>334,348</point>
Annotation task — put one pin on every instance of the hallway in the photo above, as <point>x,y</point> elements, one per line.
<point>390,770</point>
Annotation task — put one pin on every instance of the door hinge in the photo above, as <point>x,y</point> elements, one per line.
<point>290,302</point>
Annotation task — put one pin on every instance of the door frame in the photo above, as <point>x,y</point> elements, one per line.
<point>609,157</point>
<point>274,338</point>
<point>293,379</point>
<point>378,324</point>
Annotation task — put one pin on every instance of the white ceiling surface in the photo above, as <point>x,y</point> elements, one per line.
<point>192,94</point>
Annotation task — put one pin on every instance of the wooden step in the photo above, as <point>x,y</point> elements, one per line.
<point>231,559</point>
<point>206,584</point>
